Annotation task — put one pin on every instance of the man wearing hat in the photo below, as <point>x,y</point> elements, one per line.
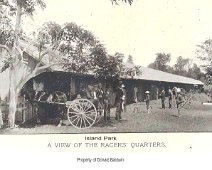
<point>170,97</point>
<point>99,95</point>
<point>124,98</point>
<point>119,101</point>
<point>147,100</point>
<point>179,101</point>
<point>106,99</point>
<point>163,98</point>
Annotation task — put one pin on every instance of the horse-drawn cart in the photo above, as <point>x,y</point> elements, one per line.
<point>81,113</point>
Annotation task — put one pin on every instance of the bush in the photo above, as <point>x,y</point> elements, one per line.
<point>208,91</point>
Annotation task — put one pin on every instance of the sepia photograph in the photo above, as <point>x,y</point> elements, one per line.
<point>105,66</point>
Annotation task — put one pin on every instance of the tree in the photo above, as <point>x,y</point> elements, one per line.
<point>161,62</point>
<point>182,66</point>
<point>130,59</point>
<point>78,46</point>
<point>49,33</point>
<point>15,54</point>
<point>72,42</point>
<point>208,75</point>
<point>204,52</point>
<point>116,2</point>
<point>107,66</point>
<point>208,83</point>
<point>195,72</point>
<point>81,50</point>
<point>186,67</point>
<point>5,26</point>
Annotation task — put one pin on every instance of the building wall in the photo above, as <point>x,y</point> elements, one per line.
<point>24,110</point>
<point>71,84</point>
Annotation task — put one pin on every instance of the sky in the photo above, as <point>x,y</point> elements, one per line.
<point>141,30</point>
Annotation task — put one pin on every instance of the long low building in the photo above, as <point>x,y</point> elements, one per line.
<point>69,83</point>
<point>153,81</point>
<point>160,76</point>
<point>147,73</point>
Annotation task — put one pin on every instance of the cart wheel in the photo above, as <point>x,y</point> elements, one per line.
<point>82,113</point>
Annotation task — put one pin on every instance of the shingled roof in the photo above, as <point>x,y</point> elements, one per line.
<point>157,75</point>
<point>147,73</point>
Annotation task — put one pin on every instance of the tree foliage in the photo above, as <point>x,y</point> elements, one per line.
<point>11,51</point>
<point>11,32</point>
<point>116,2</point>
<point>204,53</point>
<point>74,44</point>
<point>29,6</point>
<point>130,59</point>
<point>195,72</point>
<point>182,66</point>
<point>82,52</point>
<point>79,48</point>
<point>161,61</point>
<point>6,30</point>
<point>6,37</point>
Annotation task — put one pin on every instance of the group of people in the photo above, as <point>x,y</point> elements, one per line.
<point>101,98</point>
<point>174,96</point>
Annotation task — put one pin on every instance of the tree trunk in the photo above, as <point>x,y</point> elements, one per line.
<point>12,99</point>
<point>12,77</point>
<point>17,25</point>
<point>1,118</point>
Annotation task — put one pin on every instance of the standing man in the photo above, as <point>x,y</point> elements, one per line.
<point>95,98</point>
<point>147,100</point>
<point>119,101</point>
<point>124,108</point>
<point>174,93</point>
<point>170,96</point>
<point>106,98</point>
<point>83,93</point>
<point>135,94</point>
<point>90,93</point>
<point>99,95</point>
<point>163,98</point>
<point>179,101</point>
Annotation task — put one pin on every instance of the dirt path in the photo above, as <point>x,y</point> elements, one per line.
<point>197,118</point>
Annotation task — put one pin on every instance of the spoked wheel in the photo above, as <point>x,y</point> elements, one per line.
<point>82,113</point>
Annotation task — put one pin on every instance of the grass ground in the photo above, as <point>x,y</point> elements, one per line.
<point>194,118</point>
